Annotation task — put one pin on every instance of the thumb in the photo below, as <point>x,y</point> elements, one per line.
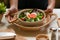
<point>7,12</point>
<point>46,11</point>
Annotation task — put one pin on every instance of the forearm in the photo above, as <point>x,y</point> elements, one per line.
<point>51,3</point>
<point>14,3</point>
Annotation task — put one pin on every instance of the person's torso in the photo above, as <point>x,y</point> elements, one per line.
<point>41,4</point>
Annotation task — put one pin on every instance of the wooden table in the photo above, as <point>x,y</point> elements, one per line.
<point>24,35</point>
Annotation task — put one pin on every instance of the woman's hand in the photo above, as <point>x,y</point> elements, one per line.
<point>11,14</point>
<point>49,9</point>
<point>51,5</point>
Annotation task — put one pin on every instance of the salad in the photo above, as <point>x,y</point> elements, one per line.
<point>31,15</point>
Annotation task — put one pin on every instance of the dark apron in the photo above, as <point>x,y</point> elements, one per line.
<point>40,4</point>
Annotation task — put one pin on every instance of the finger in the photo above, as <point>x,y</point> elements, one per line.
<point>14,19</point>
<point>9,19</point>
<point>45,10</point>
<point>48,11</point>
<point>7,13</point>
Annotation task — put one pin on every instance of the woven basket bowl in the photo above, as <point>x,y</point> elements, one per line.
<point>34,26</point>
<point>31,24</point>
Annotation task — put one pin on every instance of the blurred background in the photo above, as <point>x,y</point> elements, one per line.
<point>7,3</point>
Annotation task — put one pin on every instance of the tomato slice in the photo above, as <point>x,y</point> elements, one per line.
<point>32,15</point>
